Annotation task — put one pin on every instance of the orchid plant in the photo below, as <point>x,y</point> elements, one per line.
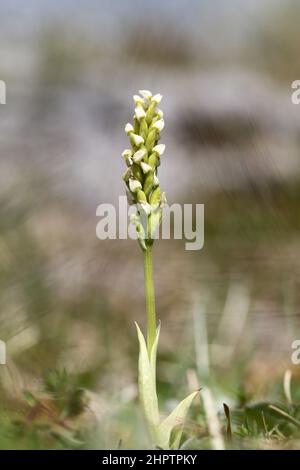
<point>144,191</point>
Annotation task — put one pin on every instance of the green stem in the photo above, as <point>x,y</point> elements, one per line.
<point>150,298</point>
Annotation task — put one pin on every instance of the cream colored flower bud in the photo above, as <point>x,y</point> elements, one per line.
<point>159,125</point>
<point>146,207</point>
<point>140,112</point>
<point>137,139</point>
<point>155,181</point>
<point>157,98</point>
<point>163,199</point>
<point>134,185</point>
<point>128,128</point>
<point>138,156</point>
<point>146,94</point>
<point>145,167</point>
<point>159,113</point>
<point>138,99</point>
<point>127,153</point>
<point>159,149</point>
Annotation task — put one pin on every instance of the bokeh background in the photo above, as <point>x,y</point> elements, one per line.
<point>67,300</point>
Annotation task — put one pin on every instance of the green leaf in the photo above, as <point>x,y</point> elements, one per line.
<point>172,426</point>
<point>147,382</point>
<point>154,354</point>
<point>167,434</point>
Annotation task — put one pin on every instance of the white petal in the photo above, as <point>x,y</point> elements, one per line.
<point>159,149</point>
<point>134,185</point>
<point>146,94</point>
<point>157,98</point>
<point>145,167</point>
<point>159,125</point>
<point>128,128</point>
<point>138,156</point>
<point>138,140</point>
<point>139,112</point>
<point>146,207</point>
<point>163,199</point>
<point>155,180</point>
<point>127,153</point>
<point>138,99</point>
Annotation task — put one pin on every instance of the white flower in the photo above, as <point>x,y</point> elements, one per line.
<point>146,94</point>
<point>128,128</point>
<point>137,139</point>
<point>159,149</point>
<point>134,185</point>
<point>140,112</point>
<point>137,99</point>
<point>146,207</point>
<point>157,98</point>
<point>145,167</point>
<point>127,153</point>
<point>138,156</point>
<point>163,199</point>
<point>159,113</point>
<point>159,125</point>
<point>155,181</point>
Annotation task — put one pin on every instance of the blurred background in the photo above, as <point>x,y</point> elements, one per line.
<point>67,300</point>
